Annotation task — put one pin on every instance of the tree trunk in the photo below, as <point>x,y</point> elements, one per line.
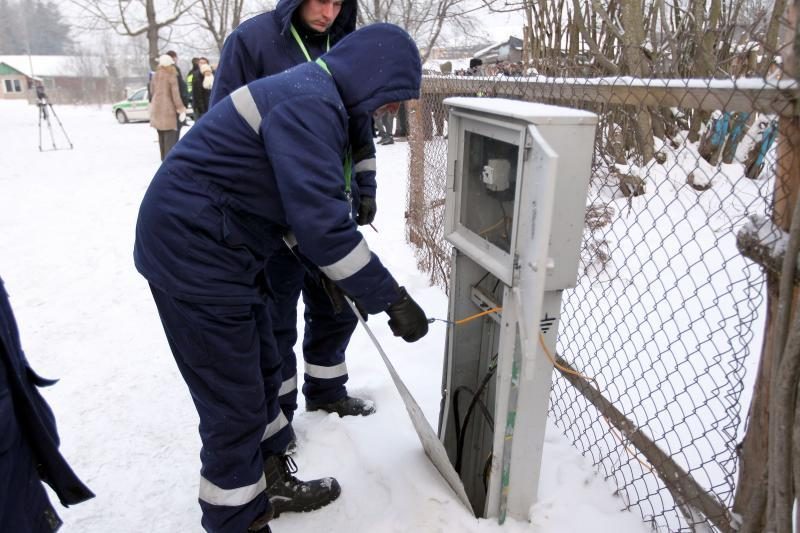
<point>152,34</point>
<point>771,38</point>
<point>756,454</point>
<point>636,65</point>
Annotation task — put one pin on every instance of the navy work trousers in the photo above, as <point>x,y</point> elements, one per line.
<point>228,358</point>
<point>24,505</point>
<point>325,338</point>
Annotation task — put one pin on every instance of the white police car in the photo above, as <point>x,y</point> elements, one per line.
<point>134,108</point>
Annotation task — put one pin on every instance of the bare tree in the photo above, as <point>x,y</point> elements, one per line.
<point>219,17</point>
<point>134,18</point>
<point>424,20</point>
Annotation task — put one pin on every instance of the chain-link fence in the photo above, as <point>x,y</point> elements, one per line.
<point>668,313</point>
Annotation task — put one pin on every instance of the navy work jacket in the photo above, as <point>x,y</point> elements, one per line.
<point>25,414</point>
<point>265,161</point>
<point>263,46</point>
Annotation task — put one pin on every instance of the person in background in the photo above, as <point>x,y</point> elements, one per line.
<point>28,442</point>
<point>297,31</point>
<point>190,77</point>
<point>166,107</point>
<point>384,119</point>
<point>183,89</point>
<point>201,88</point>
<point>211,219</point>
<point>401,124</point>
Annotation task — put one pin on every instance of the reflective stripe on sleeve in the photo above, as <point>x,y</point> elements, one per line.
<point>289,385</point>
<point>365,164</point>
<point>349,264</point>
<point>290,239</point>
<point>246,106</point>
<point>275,426</point>
<point>210,493</point>
<point>326,372</point>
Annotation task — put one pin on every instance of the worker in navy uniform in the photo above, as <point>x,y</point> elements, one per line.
<point>298,31</point>
<point>266,165</point>
<point>28,442</point>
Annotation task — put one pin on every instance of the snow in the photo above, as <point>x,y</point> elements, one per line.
<point>743,84</point>
<point>126,420</point>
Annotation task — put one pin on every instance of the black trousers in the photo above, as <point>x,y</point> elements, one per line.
<point>166,140</point>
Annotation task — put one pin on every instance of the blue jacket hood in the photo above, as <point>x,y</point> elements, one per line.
<point>345,23</point>
<point>373,66</point>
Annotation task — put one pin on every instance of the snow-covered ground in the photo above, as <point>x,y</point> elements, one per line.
<point>125,416</point>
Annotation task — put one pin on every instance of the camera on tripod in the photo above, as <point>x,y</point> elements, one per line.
<point>45,110</point>
<point>41,95</point>
<point>41,101</point>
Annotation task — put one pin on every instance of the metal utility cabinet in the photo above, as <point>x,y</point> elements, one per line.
<point>517,179</point>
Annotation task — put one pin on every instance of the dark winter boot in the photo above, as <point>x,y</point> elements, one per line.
<point>347,406</point>
<point>289,494</point>
<point>260,524</point>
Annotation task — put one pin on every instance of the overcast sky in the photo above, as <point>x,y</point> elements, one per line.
<point>496,26</point>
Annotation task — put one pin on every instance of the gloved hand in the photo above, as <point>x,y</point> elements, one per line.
<point>366,210</point>
<point>407,319</point>
<point>182,118</point>
<point>337,296</point>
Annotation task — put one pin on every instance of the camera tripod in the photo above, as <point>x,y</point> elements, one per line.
<point>45,110</point>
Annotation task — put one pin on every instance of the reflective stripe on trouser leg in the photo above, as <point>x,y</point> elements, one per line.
<point>218,352</point>
<point>324,342</point>
<point>285,275</point>
<point>288,386</point>
<point>326,372</point>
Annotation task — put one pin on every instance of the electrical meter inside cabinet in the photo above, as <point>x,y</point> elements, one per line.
<point>489,188</point>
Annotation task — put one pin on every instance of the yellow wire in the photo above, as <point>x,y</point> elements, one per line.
<point>493,226</point>
<point>555,364</point>
<point>541,342</point>
<point>565,370</point>
<point>619,439</point>
<point>478,315</point>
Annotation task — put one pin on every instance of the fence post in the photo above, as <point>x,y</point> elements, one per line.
<point>415,214</point>
<point>751,494</point>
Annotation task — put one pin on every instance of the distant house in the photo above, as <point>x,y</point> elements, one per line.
<point>66,79</point>
<point>14,84</point>
<point>455,52</point>
<point>510,51</point>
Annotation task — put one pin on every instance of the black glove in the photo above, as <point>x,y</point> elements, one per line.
<point>407,319</point>
<point>366,210</point>
<point>337,296</point>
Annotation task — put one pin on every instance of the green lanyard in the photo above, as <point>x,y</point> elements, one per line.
<point>300,42</point>
<point>348,158</point>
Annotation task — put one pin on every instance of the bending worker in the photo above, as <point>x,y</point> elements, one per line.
<point>263,162</point>
<point>295,32</point>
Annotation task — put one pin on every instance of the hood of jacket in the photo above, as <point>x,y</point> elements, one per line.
<point>345,23</point>
<point>373,66</point>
